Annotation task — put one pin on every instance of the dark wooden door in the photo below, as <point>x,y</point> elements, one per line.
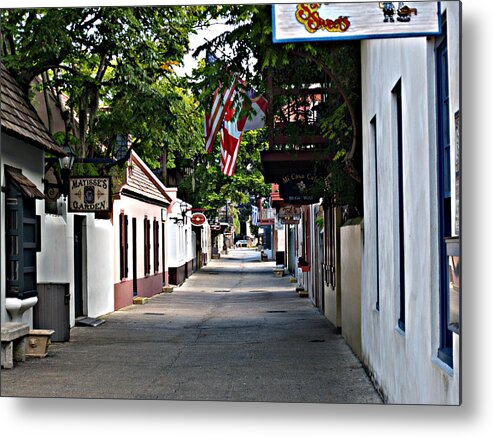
<point>79,265</point>
<point>21,244</point>
<point>134,255</point>
<point>163,249</point>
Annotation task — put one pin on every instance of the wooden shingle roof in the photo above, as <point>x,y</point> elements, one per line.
<point>141,181</point>
<point>27,187</point>
<point>19,119</point>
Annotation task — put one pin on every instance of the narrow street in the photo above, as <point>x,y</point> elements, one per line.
<point>233,331</point>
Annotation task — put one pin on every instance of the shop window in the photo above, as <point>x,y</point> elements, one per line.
<point>21,238</point>
<point>123,245</point>
<point>374,153</point>
<point>445,352</point>
<point>397,128</point>
<point>156,245</point>
<point>147,246</point>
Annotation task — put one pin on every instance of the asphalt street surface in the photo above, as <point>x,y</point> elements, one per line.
<point>232,332</point>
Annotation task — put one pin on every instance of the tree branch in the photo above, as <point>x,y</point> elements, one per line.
<point>354,121</point>
<point>27,76</point>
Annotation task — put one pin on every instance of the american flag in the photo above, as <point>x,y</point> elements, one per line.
<point>231,134</point>
<point>214,119</point>
<point>233,127</point>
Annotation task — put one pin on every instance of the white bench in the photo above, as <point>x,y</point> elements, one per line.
<point>13,338</point>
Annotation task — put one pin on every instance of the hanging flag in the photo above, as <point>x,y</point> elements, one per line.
<point>231,134</point>
<point>257,113</point>
<point>214,119</point>
<point>254,216</point>
<point>209,141</point>
<point>233,127</point>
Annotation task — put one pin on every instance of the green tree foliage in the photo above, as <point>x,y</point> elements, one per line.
<point>248,50</point>
<point>208,188</point>
<point>112,72</point>
<point>113,64</point>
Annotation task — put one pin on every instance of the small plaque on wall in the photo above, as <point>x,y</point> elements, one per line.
<point>89,194</point>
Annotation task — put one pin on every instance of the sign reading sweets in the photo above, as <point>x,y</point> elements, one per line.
<point>339,21</point>
<point>89,194</point>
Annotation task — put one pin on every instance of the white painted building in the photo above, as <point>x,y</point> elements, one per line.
<point>78,252</point>
<point>410,115</point>
<point>140,222</point>
<point>181,246</point>
<point>23,142</point>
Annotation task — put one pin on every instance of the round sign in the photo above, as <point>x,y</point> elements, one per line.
<point>198,219</point>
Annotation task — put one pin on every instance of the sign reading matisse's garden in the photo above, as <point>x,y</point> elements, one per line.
<point>90,194</point>
<point>333,21</point>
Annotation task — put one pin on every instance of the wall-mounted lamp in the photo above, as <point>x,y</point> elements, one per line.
<point>66,166</point>
<point>61,187</point>
<point>183,212</point>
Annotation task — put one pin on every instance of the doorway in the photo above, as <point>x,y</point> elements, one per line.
<point>134,255</point>
<point>79,265</point>
<point>163,249</point>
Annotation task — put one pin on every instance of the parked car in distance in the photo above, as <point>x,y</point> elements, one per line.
<point>241,243</point>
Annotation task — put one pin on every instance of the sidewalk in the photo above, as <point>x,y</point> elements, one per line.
<point>233,332</point>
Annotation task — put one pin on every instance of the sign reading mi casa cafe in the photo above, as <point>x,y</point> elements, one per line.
<point>89,194</point>
<point>358,20</point>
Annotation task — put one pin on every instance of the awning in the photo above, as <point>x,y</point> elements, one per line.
<point>27,187</point>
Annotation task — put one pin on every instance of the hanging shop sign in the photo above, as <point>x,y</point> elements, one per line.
<point>198,219</point>
<point>89,194</point>
<point>289,211</point>
<point>294,188</point>
<point>290,215</point>
<point>344,21</point>
<point>215,227</point>
<point>290,221</point>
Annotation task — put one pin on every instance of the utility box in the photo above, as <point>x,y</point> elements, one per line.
<point>280,257</point>
<point>52,312</point>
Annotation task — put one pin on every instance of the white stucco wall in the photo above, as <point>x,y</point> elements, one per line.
<point>351,283</point>
<point>179,236</point>
<point>205,242</point>
<point>56,260</point>
<point>30,160</point>
<point>404,366</point>
<point>138,209</point>
<point>100,266</point>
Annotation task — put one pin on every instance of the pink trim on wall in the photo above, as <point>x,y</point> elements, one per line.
<point>150,285</point>
<point>123,294</point>
<point>146,287</point>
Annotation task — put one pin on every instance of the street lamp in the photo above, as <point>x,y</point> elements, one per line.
<point>183,212</point>
<point>58,184</point>
<point>66,165</point>
<point>122,143</point>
